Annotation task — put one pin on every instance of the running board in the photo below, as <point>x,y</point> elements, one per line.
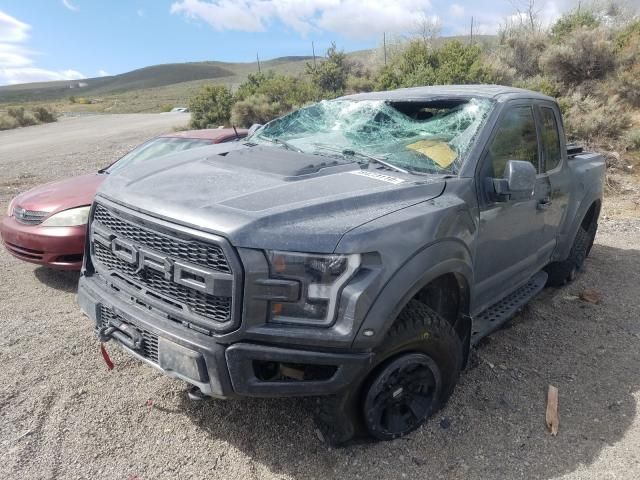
<point>494,316</point>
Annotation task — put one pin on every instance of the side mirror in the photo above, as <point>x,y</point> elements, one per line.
<point>518,183</point>
<point>253,128</point>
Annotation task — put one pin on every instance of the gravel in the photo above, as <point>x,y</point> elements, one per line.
<point>64,415</point>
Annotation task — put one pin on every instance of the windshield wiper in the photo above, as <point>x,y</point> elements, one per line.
<point>284,143</point>
<point>351,153</point>
<point>348,152</point>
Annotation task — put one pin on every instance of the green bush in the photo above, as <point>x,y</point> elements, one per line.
<point>572,21</point>
<point>45,115</point>
<point>627,34</point>
<point>591,120</point>
<point>357,84</point>
<point>7,122</point>
<point>632,139</point>
<point>22,117</point>
<point>255,109</point>
<point>541,84</point>
<point>627,80</point>
<point>520,50</point>
<point>165,107</point>
<point>330,75</point>
<point>285,90</point>
<point>419,64</point>
<point>211,107</point>
<point>584,55</point>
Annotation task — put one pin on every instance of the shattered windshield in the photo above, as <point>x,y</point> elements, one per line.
<point>424,137</point>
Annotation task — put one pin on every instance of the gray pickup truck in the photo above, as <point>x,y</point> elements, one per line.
<point>353,250</point>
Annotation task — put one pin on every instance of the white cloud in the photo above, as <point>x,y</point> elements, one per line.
<point>69,6</point>
<point>360,19</point>
<point>16,62</point>
<point>140,12</point>
<point>456,10</point>
<point>33,74</point>
<point>354,18</point>
<point>12,29</point>
<point>14,55</point>
<point>103,73</point>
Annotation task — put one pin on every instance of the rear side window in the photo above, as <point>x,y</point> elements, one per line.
<point>515,140</point>
<point>550,139</point>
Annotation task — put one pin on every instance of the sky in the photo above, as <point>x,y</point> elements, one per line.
<point>43,40</point>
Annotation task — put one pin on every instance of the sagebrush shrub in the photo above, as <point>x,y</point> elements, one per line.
<point>22,117</point>
<point>7,122</point>
<point>584,55</point>
<point>45,115</point>
<point>592,120</point>
<point>632,139</point>
<point>255,109</point>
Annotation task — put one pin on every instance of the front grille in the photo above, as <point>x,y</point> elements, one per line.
<point>188,306</point>
<point>215,308</point>
<point>200,253</point>
<point>150,343</point>
<point>29,217</point>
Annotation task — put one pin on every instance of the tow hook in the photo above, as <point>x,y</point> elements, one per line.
<point>195,394</point>
<point>123,332</point>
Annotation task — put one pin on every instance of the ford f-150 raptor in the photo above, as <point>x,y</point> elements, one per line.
<point>353,250</point>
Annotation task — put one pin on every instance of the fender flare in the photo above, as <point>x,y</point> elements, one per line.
<point>419,270</point>
<point>566,240</point>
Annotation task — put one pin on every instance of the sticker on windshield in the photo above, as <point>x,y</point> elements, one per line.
<point>378,176</point>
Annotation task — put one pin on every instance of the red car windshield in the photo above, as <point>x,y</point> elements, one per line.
<point>156,148</point>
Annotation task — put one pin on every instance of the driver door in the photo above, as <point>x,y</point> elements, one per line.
<point>509,233</point>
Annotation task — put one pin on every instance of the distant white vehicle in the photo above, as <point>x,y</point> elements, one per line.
<point>179,110</point>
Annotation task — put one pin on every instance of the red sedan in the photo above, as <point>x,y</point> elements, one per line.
<point>47,225</point>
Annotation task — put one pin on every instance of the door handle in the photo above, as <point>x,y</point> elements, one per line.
<point>544,204</point>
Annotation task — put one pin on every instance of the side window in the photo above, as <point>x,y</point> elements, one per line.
<point>550,139</point>
<point>515,140</point>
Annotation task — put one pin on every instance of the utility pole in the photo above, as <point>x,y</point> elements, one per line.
<point>471,35</point>
<point>313,50</point>
<point>258,60</point>
<point>384,46</point>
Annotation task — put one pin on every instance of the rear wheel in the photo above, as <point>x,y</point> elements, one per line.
<point>415,371</point>
<point>561,273</point>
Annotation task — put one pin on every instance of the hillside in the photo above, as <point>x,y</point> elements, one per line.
<point>168,84</point>
<point>144,78</point>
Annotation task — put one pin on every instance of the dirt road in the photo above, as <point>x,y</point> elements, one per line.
<point>63,415</point>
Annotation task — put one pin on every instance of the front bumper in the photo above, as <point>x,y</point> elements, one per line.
<point>56,247</point>
<point>217,369</point>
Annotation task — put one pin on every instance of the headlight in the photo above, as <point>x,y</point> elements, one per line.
<point>68,218</point>
<point>321,279</point>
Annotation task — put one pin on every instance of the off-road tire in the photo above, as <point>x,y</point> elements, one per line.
<point>561,273</point>
<point>417,330</point>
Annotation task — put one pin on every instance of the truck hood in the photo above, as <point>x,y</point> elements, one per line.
<point>267,197</point>
<point>54,197</point>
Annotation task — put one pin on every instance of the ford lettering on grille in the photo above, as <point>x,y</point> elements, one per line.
<point>182,273</point>
<point>202,288</point>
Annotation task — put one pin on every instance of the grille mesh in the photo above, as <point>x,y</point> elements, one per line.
<point>204,308</point>
<point>200,253</point>
<point>150,343</point>
<point>215,308</point>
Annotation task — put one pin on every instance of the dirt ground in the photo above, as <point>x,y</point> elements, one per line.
<point>63,415</point>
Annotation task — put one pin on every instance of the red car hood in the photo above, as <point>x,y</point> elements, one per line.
<point>62,195</point>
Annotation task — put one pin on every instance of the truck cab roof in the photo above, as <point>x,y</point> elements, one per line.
<point>417,94</point>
